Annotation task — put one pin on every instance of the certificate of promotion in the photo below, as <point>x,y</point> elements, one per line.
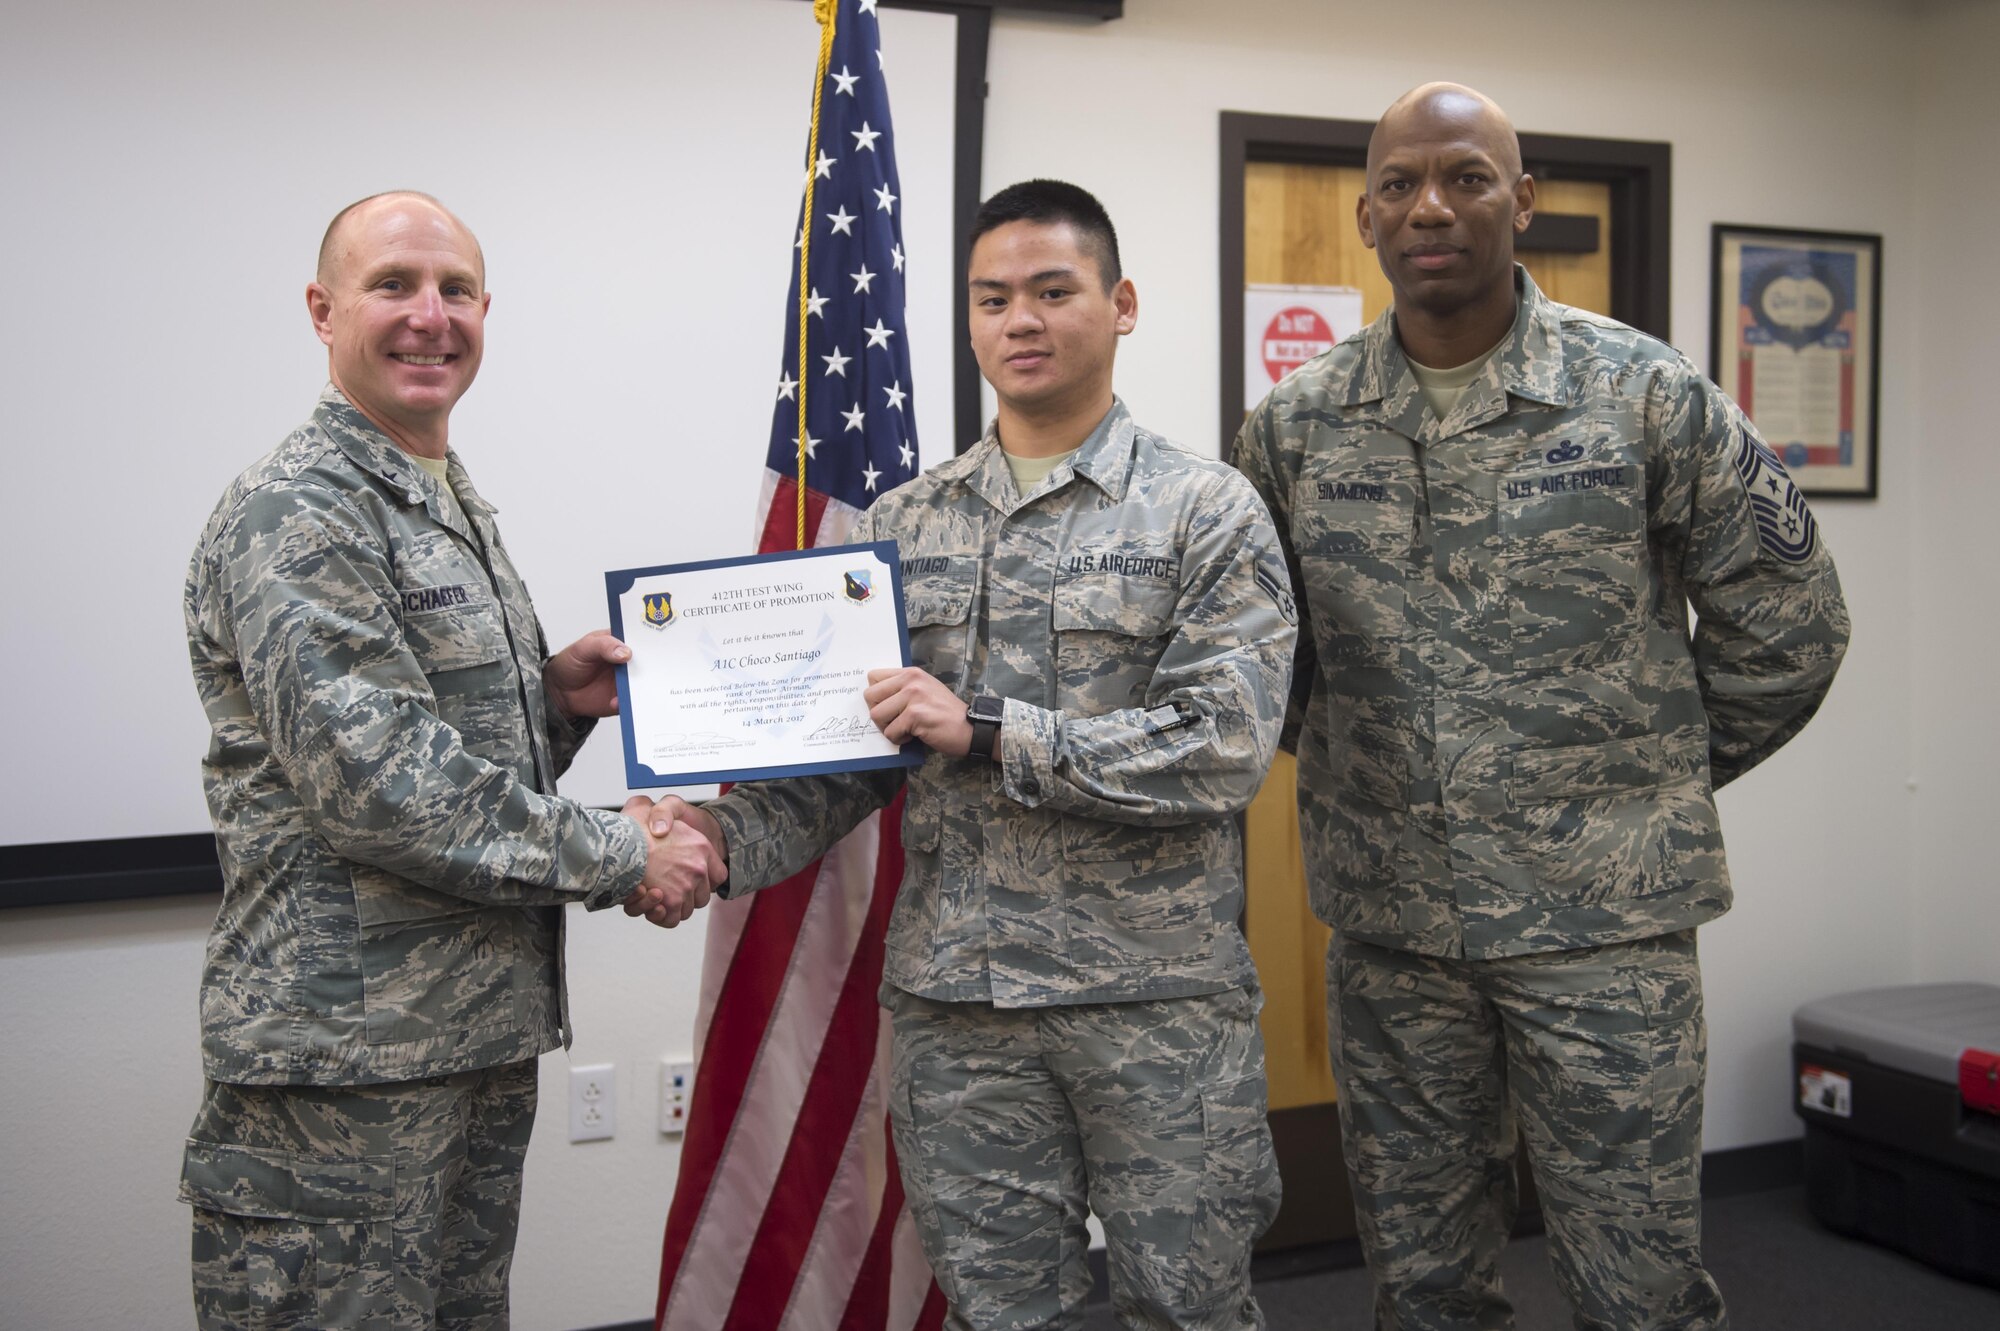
<point>754,667</point>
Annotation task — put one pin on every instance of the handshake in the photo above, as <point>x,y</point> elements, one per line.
<point>684,859</point>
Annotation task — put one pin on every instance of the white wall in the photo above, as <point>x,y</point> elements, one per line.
<point>1957,577</point>
<point>1845,877</point>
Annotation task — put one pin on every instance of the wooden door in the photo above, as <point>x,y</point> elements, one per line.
<point>1298,227</point>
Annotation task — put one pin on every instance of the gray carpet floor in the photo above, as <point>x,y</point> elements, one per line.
<point>1778,1269</point>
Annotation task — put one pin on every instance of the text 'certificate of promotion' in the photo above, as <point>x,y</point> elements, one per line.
<point>754,667</point>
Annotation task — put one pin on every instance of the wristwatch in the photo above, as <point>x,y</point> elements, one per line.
<point>985,712</point>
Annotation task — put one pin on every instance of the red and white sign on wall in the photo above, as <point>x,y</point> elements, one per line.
<point>1286,326</point>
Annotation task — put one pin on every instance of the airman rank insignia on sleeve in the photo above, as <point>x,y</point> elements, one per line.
<point>660,609</point>
<point>1785,526</point>
<point>1278,592</point>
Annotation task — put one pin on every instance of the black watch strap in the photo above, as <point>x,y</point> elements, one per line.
<point>986,713</point>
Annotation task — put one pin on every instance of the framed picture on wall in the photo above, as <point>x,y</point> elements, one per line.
<point>1796,341</point>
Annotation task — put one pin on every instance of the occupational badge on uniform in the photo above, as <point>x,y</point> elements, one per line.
<point>1567,451</point>
<point>1785,526</point>
<point>859,584</point>
<point>660,609</point>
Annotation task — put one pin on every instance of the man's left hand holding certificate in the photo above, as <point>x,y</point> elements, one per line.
<point>754,667</point>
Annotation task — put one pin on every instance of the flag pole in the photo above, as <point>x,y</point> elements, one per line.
<point>825,11</point>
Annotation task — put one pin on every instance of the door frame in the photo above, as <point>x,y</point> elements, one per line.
<point>1639,172</point>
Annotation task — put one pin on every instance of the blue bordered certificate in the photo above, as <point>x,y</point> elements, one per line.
<point>754,667</point>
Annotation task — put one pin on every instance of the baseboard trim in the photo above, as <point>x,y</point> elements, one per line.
<point>1730,1173</point>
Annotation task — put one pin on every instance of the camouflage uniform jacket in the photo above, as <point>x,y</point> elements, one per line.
<point>381,774</point>
<point>1510,732</point>
<point>1132,611</point>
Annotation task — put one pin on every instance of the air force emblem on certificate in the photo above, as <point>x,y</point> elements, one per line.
<point>660,609</point>
<point>859,584</point>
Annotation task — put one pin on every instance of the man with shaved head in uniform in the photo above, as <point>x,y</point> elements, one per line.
<point>387,725</point>
<point>1498,512</point>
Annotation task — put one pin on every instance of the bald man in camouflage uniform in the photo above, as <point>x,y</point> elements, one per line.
<point>1074,1007</point>
<point>387,728</point>
<point>1498,510</point>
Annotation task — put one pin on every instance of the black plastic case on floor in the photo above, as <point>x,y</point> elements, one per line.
<point>1894,1155</point>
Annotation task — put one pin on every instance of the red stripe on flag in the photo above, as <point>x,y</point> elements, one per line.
<point>840,1077</point>
<point>736,1032</point>
<point>781,523</point>
<point>868,1306</point>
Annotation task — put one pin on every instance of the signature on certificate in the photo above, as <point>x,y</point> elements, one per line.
<point>843,727</point>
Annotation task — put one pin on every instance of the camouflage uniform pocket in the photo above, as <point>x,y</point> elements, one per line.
<point>283,1240</point>
<point>435,978</point>
<point>1356,537</point>
<point>1109,635</point>
<point>1239,1189</point>
<point>1671,992</point>
<point>913,920</point>
<point>1136,896</point>
<point>1574,564</point>
<point>937,610</point>
<point>1586,822</point>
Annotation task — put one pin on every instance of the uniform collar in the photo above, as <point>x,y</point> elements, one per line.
<point>377,454</point>
<point>1528,364</point>
<point>1104,458</point>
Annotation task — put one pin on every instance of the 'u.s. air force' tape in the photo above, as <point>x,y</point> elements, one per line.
<point>1785,525</point>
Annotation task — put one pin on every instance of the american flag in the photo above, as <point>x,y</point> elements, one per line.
<point>788,1212</point>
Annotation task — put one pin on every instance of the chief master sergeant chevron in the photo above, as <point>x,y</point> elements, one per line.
<point>1073,1006</point>
<point>387,728</point>
<point>1498,510</point>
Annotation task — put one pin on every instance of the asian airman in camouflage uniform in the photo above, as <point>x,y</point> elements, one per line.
<point>387,728</point>
<point>1510,732</point>
<point>1074,1006</point>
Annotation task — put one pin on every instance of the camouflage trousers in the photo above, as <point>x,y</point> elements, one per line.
<point>391,1206</point>
<point>1011,1124</point>
<point>1597,1055</point>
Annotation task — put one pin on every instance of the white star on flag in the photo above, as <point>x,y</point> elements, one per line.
<point>842,221</point>
<point>865,137</point>
<point>837,363</point>
<point>896,394</point>
<point>845,80</point>
<point>909,454</point>
<point>879,335</point>
<point>896,253</point>
<point>861,281</point>
<point>824,170</point>
<point>811,444</point>
<point>868,6</point>
<point>885,200</point>
<point>816,302</point>
<point>786,386</point>
<point>868,475</point>
<point>857,418</point>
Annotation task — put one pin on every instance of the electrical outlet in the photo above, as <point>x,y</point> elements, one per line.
<point>676,1093</point>
<point>593,1102</point>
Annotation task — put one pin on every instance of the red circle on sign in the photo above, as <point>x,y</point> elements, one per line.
<point>1294,337</point>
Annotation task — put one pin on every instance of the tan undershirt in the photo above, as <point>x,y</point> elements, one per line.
<point>439,469</point>
<point>1031,472</point>
<point>1443,388</point>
